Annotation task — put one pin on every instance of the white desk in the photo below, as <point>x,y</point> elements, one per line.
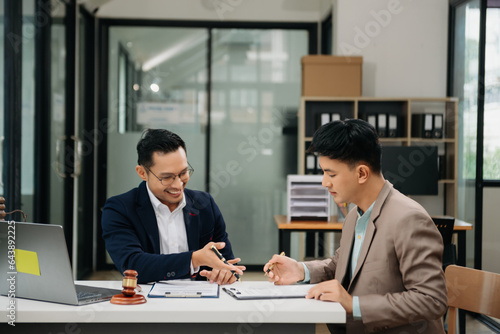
<point>176,315</point>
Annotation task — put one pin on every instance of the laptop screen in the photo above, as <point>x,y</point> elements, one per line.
<point>42,268</point>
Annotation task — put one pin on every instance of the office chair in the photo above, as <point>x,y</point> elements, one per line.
<point>445,226</point>
<point>471,290</point>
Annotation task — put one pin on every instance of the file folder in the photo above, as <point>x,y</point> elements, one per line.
<point>393,126</point>
<point>325,118</point>
<point>269,291</point>
<point>335,117</point>
<point>422,125</point>
<point>437,132</point>
<point>310,163</point>
<point>382,125</point>
<point>372,120</point>
<point>184,289</point>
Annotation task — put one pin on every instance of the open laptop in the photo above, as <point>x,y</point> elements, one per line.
<point>43,270</point>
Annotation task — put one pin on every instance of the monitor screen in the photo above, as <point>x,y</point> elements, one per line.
<point>413,170</point>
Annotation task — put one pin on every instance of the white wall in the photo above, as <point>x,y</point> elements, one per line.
<point>212,10</point>
<point>403,44</point>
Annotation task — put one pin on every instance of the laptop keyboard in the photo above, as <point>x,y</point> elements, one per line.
<point>86,292</point>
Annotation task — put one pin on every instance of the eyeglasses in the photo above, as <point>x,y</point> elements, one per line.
<point>170,178</point>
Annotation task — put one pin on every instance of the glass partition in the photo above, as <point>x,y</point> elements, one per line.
<point>466,76</point>
<point>157,79</point>
<point>491,169</point>
<point>28,109</point>
<point>256,77</point>
<point>2,114</point>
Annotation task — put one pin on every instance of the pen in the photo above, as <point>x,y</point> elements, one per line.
<point>219,255</point>
<point>272,265</point>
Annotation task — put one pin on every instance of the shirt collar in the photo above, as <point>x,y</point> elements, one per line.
<point>366,213</point>
<point>157,204</point>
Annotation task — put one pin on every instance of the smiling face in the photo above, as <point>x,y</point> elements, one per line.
<point>165,164</point>
<point>341,180</point>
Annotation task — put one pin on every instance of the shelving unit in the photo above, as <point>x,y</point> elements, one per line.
<point>307,198</point>
<point>403,109</point>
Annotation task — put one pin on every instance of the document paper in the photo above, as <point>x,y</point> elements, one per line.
<point>270,291</point>
<point>184,289</point>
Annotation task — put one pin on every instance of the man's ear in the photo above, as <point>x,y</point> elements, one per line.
<point>363,173</point>
<point>141,171</point>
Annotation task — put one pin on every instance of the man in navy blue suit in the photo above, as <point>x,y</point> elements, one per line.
<point>161,229</point>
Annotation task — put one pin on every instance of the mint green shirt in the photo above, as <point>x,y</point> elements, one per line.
<point>359,237</point>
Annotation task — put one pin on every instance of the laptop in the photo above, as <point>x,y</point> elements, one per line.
<point>42,270</point>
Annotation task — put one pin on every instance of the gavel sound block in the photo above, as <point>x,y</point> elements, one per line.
<point>128,296</point>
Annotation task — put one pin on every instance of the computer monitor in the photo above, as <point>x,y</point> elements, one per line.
<point>413,170</point>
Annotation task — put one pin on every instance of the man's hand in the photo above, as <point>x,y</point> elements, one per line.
<point>222,276</point>
<point>285,270</point>
<point>206,257</point>
<point>331,291</point>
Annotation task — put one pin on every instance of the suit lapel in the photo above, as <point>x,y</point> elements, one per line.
<point>345,258</point>
<point>370,232</point>
<point>147,216</point>
<point>191,221</point>
<point>371,228</point>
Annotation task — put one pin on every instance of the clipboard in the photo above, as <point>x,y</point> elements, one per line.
<point>184,289</point>
<point>270,291</point>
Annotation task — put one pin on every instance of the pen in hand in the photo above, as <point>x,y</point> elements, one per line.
<point>272,265</point>
<point>219,255</point>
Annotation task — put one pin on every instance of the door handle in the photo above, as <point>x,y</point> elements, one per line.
<point>78,157</point>
<point>59,142</point>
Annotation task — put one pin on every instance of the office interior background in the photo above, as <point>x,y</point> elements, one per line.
<point>83,79</point>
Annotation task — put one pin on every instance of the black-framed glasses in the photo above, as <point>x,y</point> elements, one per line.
<point>170,178</point>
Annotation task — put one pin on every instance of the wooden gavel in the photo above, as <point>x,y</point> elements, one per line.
<point>128,296</point>
<point>2,209</point>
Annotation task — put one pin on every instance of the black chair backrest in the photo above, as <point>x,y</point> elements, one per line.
<point>445,226</point>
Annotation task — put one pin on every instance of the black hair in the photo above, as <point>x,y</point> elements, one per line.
<point>157,140</point>
<point>351,141</point>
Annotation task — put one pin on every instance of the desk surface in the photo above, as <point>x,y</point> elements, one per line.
<point>224,309</point>
<point>281,222</point>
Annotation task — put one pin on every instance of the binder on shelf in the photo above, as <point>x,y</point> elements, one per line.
<point>325,118</point>
<point>310,164</point>
<point>422,125</point>
<point>335,117</point>
<point>393,126</point>
<point>372,120</point>
<point>382,125</point>
<point>437,131</point>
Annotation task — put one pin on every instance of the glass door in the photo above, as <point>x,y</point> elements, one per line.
<point>72,143</point>
<point>256,77</point>
<point>465,87</point>
<point>157,79</point>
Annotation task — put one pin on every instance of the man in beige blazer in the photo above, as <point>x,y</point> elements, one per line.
<point>387,272</point>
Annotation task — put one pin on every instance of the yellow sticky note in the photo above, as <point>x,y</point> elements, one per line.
<point>27,262</point>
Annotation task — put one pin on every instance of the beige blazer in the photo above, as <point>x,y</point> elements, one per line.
<point>398,277</point>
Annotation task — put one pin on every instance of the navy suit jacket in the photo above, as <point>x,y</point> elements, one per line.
<point>132,239</point>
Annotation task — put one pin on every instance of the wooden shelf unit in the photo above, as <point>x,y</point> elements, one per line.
<point>312,107</point>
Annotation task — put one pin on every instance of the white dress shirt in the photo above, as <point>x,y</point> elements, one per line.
<point>171,227</point>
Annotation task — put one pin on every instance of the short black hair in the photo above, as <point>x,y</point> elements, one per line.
<point>351,141</point>
<point>157,140</point>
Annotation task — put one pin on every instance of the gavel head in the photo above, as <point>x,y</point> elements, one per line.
<point>2,208</point>
<point>129,282</point>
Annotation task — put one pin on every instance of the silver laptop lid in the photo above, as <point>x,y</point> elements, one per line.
<point>44,272</point>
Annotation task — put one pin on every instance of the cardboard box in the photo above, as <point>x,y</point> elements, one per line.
<point>324,75</point>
